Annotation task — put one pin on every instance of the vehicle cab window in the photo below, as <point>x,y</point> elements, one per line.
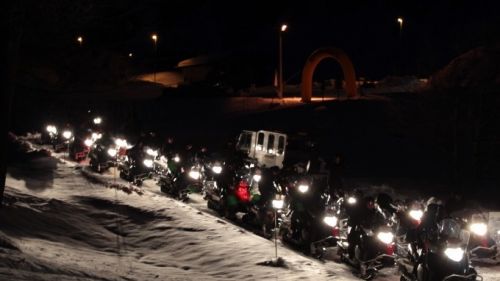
<point>281,145</point>
<point>260,142</point>
<point>270,144</point>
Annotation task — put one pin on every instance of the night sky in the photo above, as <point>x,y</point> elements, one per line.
<point>434,32</point>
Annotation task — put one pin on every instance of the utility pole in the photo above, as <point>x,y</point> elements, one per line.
<point>12,16</point>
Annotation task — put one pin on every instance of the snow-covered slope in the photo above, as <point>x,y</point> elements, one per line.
<point>61,222</point>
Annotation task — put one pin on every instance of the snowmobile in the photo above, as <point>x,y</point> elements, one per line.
<point>307,223</point>
<point>231,192</point>
<point>137,165</point>
<point>438,251</point>
<point>369,245</point>
<point>103,154</point>
<point>171,177</point>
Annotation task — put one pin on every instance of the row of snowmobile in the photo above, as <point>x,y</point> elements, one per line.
<point>423,240</point>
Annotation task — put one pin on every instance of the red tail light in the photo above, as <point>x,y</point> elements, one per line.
<point>335,232</point>
<point>242,192</point>
<point>389,249</point>
<point>484,242</point>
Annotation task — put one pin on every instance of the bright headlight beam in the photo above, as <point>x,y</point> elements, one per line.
<point>194,174</point>
<point>257,178</point>
<point>148,163</point>
<point>416,214</point>
<point>177,159</point>
<point>152,152</point>
<point>385,237</point>
<point>479,228</point>
<point>454,254</point>
<point>330,220</point>
<point>88,142</point>
<point>67,134</point>
<point>278,204</point>
<point>97,120</point>
<point>112,152</point>
<point>352,200</point>
<point>52,129</point>
<point>217,169</point>
<point>303,188</point>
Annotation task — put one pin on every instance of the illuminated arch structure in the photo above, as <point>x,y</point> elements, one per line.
<point>315,58</point>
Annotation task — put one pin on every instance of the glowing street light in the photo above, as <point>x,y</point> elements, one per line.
<point>130,55</point>
<point>280,74</point>
<point>278,203</point>
<point>154,37</point>
<point>400,22</point>
<point>80,40</point>
<point>97,120</point>
<point>67,134</point>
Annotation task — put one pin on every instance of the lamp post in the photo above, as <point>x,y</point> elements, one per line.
<point>400,22</point>
<point>277,205</point>
<point>280,73</point>
<point>67,135</point>
<point>154,37</point>
<point>80,40</point>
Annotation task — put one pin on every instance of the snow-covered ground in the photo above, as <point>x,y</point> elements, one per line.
<point>63,222</point>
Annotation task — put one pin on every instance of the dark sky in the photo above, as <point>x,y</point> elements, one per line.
<point>433,32</point>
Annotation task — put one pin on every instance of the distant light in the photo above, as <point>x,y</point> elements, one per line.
<point>67,134</point>
<point>130,55</point>
<point>154,37</point>
<point>284,27</point>
<point>97,120</point>
<point>52,129</point>
<point>88,142</point>
<point>79,39</point>
<point>112,152</point>
<point>278,204</point>
<point>400,20</point>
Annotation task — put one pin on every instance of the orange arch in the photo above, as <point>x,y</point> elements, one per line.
<point>315,58</point>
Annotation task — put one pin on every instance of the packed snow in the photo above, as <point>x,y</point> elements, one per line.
<point>60,221</point>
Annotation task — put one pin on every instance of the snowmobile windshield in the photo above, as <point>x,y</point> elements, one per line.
<point>450,229</point>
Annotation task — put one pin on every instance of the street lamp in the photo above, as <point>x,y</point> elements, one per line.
<point>277,205</point>
<point>97,120</point>
<point>80,40</point>
<point>400,22</point>
<point>280,74</point>
<point>154,37</point>
<point>67,134</point>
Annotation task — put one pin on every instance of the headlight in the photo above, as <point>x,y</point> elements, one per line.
<point>351,200</point>
<point>122,143</point>
<point>194,174</point>
<point>148,163</point>
<point>96,136</point>
<point>330,220</point>
<point>177,159</point>
<point>454,254</point>
<point>112,152</point>
<point>385,237</point>
<point>52,129</point>
<point>97,120</point>
<point>257,178</point>
<point>303,188</point>
<point>416,214</point>
<point>67,134</point>
<point>152,152</point>
<point>278,204</point>
<point>217,169</point>
<point>479,228</point>
<point>88,142</point>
